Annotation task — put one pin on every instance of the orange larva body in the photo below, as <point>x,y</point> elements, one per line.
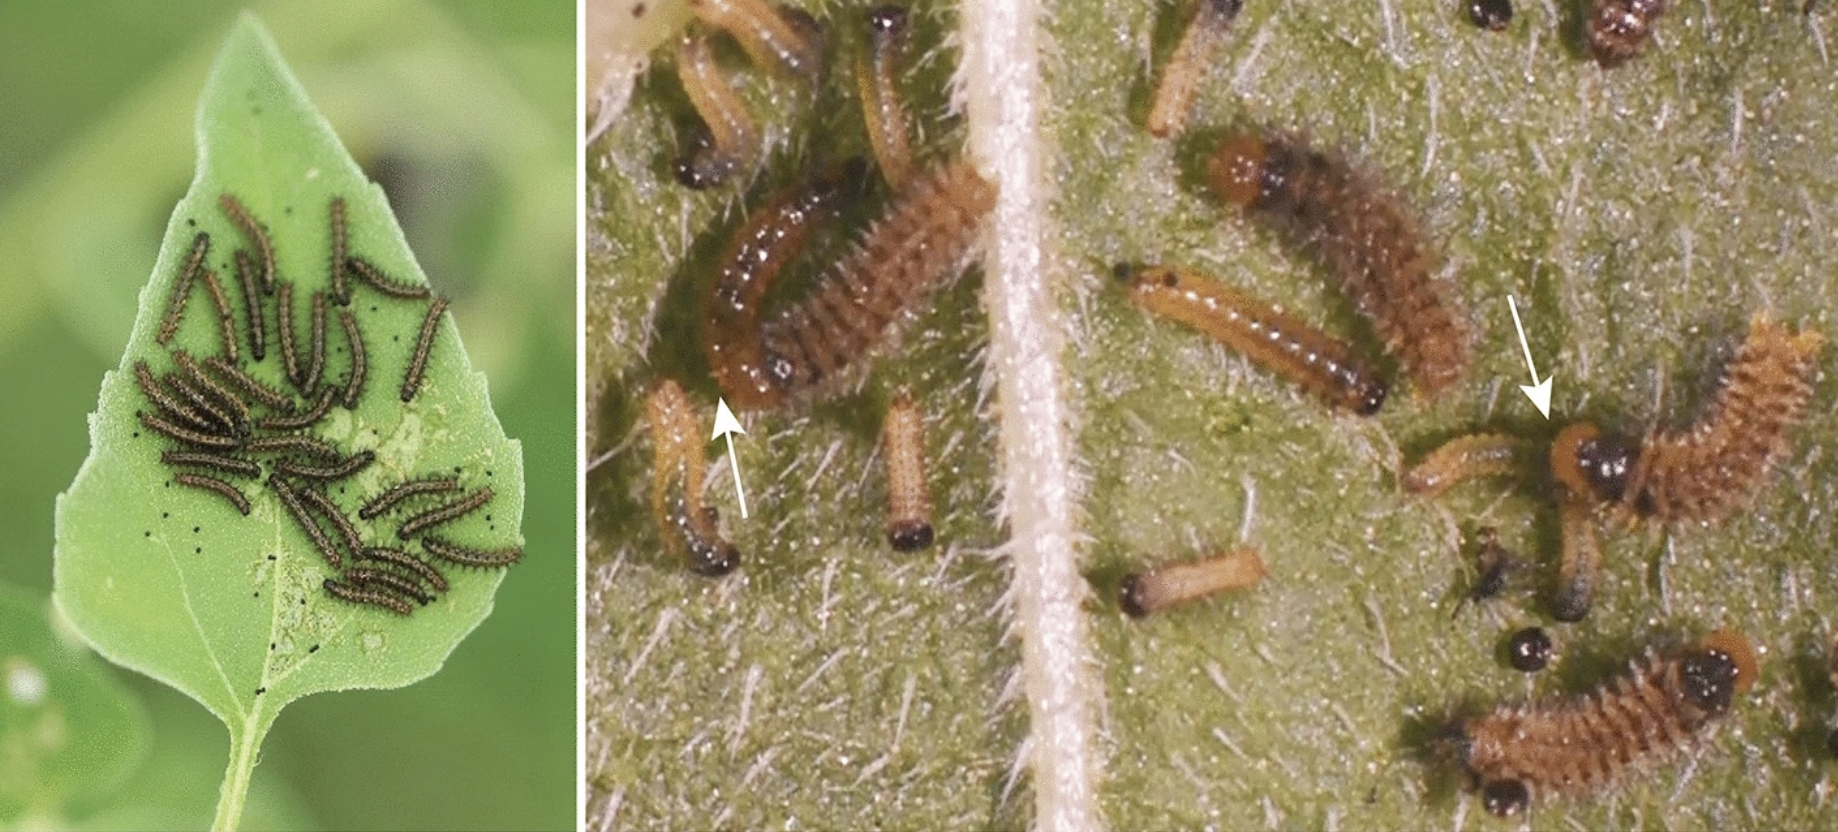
<point>909,505</point>
<point>1584,744</point>
<point>1277,341</point>
<point>1617,30</point>
<point>1461,459</point>
<point>882,110</point>
<point>1144,593</point>
<point>1377,250</point>
<point>780,37</point>
<point>1580,570</point>
<point>1212,20</point>
<point>914,250</point>
<point>772,237</point>
<point>676,482</point>
<point>733,142</point>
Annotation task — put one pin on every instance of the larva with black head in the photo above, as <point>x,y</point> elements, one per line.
<point>876,77</point>
<point>418,362</point>
<point>252,305</point>
<point>315,361</point>
<point>250,386</point>
<point>336,471</point>
<point>233,208</point>
<point>1272,339</point>
<point>755,258</point>
<point>402,491</point>
<point>1376,249</point>
<point>916,248</point>
<point>297,509</point>
<point>354,382</point>
<point>1617,30</point>
<point>167,403</point>
<point>1205,33</point>
<point>1570,746</point>
<point>402,289</point>
<point>360,595</point>
<point>216,486</point>
<point>387,581</point>
<point>1493,562</point>
<point>1144,593</point>
<point>780,37</point>
<point>440,515</point>
<point>177,433</point>
<point>909,505</point>
<point>1461,459</point>
<point>226,320</point>
<point>284,326</point>
<point>341,293</point>
<point>478,558</point>
<point>233,406</point>
<point>732,143</point>
<point>217,462</point>
<point>181,288</point>
<point>304,419</point>
<point>678,459</point>
<point>404,560</point>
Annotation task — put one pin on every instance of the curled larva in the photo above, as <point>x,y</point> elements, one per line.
<point>784,38</point>
<point>1273,339</point>
<point>756,256</point>
<point>1173,102</point>
<point>1584,744</point>
<point>876,70</point>
<point>909,505</point>
<point>1377,250</point>
<point>1143,593</point>
<point>733,142</point>
<point>676,485</point>
<point>208,483</point>
<point>1617,30</point>
<point>1461,459</point>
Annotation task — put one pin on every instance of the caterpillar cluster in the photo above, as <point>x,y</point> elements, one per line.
<point>230,430</point>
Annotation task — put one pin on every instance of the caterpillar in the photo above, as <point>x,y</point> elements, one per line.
<point>1617,30</point>
<point>284,325</point>
<point>199,438</point>
<point>233,208</point>
<point>226,320</point>
<point>354,383</point>
<point>397,557</point>
<point>1206,31</point>
<point>909,507</point>
<point>315,362</point>
<point>1492,15</point>
<point>215,415</point>
<point>1461,459</point>
<point>340,291</point>
<point>1529,650</point>
<point>1277,341</point>
<point>1493,561</point>
<point>780,37</point>
<point>889,33</point>
<point>428,485</point>
<point>317,500</point>
<point>1581,568</point>
<point>1378,252</point>
<point>1143,593</point>
<point>444,514</point>
<point>360,595</point>
<point>304,419</point>
<point>481,558</point>
<point>181,288</point>
<point>418,363</point>
<point>752,263</point>
<point>732,143</point>
<point>337,471</point>
<point>1585,744</point>
<point>235,409</point>
<point>369,273</point>
<point>249,385</point>
<point>216,486</point>
<point>387,581</point>
<point>252,305</point>
<point>292,444</point>
<point>676,482</point>
<point>295,507</point>
<point>150,387</point>
<point>220,462</point>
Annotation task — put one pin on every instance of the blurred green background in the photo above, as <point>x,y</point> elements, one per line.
<point>464,112</point>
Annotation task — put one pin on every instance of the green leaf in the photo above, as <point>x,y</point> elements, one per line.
<point>1639,216</point>
<point>173,581</point>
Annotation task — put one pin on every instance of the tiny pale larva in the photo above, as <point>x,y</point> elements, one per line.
<point>354,383</point>
<point>780,37</point>
<point>1145,593</point>
<point>1273,339</point>
<point>1461,459</point>
<point>876,73</point>
<point>1379,252</point>
<point>679,460</point>
<point>732,142</point>
<point>233,208</point>
<point>216,486</point>
<point>1617,30</point>
<point>909,506</point>
<point>397,493</point>
<point>360,595</point>
<point>1206,31</point>
<point>418,363</point>
<point>440,515</point>
<point>181,288</point>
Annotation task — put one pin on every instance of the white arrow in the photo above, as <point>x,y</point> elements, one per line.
<point>726,425</point>
<point>1538,391</point>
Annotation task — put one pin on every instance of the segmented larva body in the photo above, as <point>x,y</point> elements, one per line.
<point>317,500</point>
<point>336,471</point>
<point>1580,570</point>
<point>284,326</point>
<point>181,288</point>
<point>771,237</point>
<point>402,491</point>
<point>1206,31</point>
<point>233,208</point>
<point>418,362</point>
<point>875,83</point>
<point>220,462</point>
<point>386,581</point>
<point>1617,30</point>
<point>216,486</point>
<point>249,385</point>
<point>226,320</point>
<point>315,361</point>
<point>1377,250</point>
<point>733,142</point>
<point>359,595</point>
<point>297,509</point>
<point>1584,744</point>
<point>676,482</point>
<point>371,274</point>
<point>397,557</point>
<point>341,292</point>
<point>914,250</point>
<point>1277,341</point>
<point>354,383</point>
<point>1461,459</point>
<point>786,39</point>
<point>909,505</point>
<point>1143,593</point>
<point>443,514</point>
<point>198,438</point>
<point>478,558</point>
<point>252,305</point>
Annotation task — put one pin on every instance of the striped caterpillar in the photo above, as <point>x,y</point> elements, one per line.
<point>676,485</point>
<point>733,142</point>
<point>781,37</point>
<point>888,35</point>
<point>1206,31</point>
<point>1461,459</point>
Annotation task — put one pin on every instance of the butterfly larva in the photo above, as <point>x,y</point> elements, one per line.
<point>234,409</point>
<point>676,482</point>
<point>445,513</point>
<point>219,462</point>
<point>199,438</point>
<point>304,419</point>
<point>216,486</point>
<point>1277,341</point>
<point>375,598</point>
<point>1376,249</point>
<point>397,557</point>
<point>226,320</point>
<point>1617,30</point>
<point>780,37</point>
<point>354,383</point>
<point>909,506</point>
<point>1580,570</point>
<point>369,273</point>
<point>336,471</point>
<point>1461,459</point>
<point>916,248</point>
<point>249,385</point>
<point>319,501</point>
<point>1206,31</point>
<point>732,143</point>
<point>292,500</point>
<point>1143,593</point>
<point>284,326</point>
<point>875,83</point>
<point>162,399</point>
<point>315,362</point>
<point>181,288</point>
<point>426,485</point>
<point>233,208</point>
<point>1586,743</point>
<point>1492,15</point>
<point>418,363</point>
<point>481,558</point>
<point>756,256</point>
<point>252,306</point>
<point>340,292</point>
<point>387,581</point>
<point>1493,562</point>
<point>292,444</point>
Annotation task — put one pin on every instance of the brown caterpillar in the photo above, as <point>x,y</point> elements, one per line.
<point>1206,31</point>
<point>756,256</point>
<point>162,399</point>
<point>369,273</point>
<point>292,444</point>
<point>1143,593</point>
<point>1377,250</point>
<point>1585,744</point>
<point>216,416</point>
<point>481,558</point>
<point>181,288</point>
<point>354,383</point>
<point>1461,459</point>
<point>733,142</point>
<point>780,37</point>
<point>388,582</point>
<point>909,507</point>
<point>676,482</point>
<point>216,486</point>
<point>254,389</point>
<point>297,508</point>
<point>315,362</point>
<point>916,248</point>
<point>875,76</point>
<point>1275,340</point>
<point>375,598</point>
<point>418,363</point>
<point>226,320</point>
<point>428,485</point>
<point>1617,30</point>
<point>233,208</point>
<point>397,557</point>
<point>340,291</point>
<point>336,471</point>
<point>284,325</point>
<point>305,419</point>
<point>219,462</point>
<point>318,501</point>
<point>252,305</point>
<point>234,407</point>
<point>199,438</point>
<point>445,514</point>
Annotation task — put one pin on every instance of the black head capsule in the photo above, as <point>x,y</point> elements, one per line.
<point>1709,677</point>
<point>909,536</point>
<point>1529,650</point>
<point>1505,798</point>
<point>710,555</point>
<point>887,21</point>
<point>1492,15</point>
<point>1605,461</point>
<point>1372,396</point>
